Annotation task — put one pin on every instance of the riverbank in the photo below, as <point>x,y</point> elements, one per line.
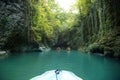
<point>101,50</point>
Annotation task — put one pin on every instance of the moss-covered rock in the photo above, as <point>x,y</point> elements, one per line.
<point>117,52</point>
<point>108,52</point>
<point>96,48</point>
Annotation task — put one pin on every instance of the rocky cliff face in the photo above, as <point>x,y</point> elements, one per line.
<point>11,18</point>
<point>14,23</point>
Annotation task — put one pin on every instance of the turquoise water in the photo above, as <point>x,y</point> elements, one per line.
<point>89,67</point>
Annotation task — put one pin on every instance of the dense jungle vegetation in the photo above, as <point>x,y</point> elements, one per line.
<point>30,24</point>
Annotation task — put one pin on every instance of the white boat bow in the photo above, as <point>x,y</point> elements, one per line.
<point>57,75</point>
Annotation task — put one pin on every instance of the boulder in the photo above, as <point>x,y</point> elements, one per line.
<point>3,53</point>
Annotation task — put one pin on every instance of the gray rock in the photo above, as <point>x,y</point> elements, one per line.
<point>11,18</point>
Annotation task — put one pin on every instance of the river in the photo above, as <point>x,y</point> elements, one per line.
<point>87,66</point>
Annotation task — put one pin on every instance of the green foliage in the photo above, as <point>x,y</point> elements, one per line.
<point>45,22</point>
<point>84,6</point>
<point>49,20</point>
